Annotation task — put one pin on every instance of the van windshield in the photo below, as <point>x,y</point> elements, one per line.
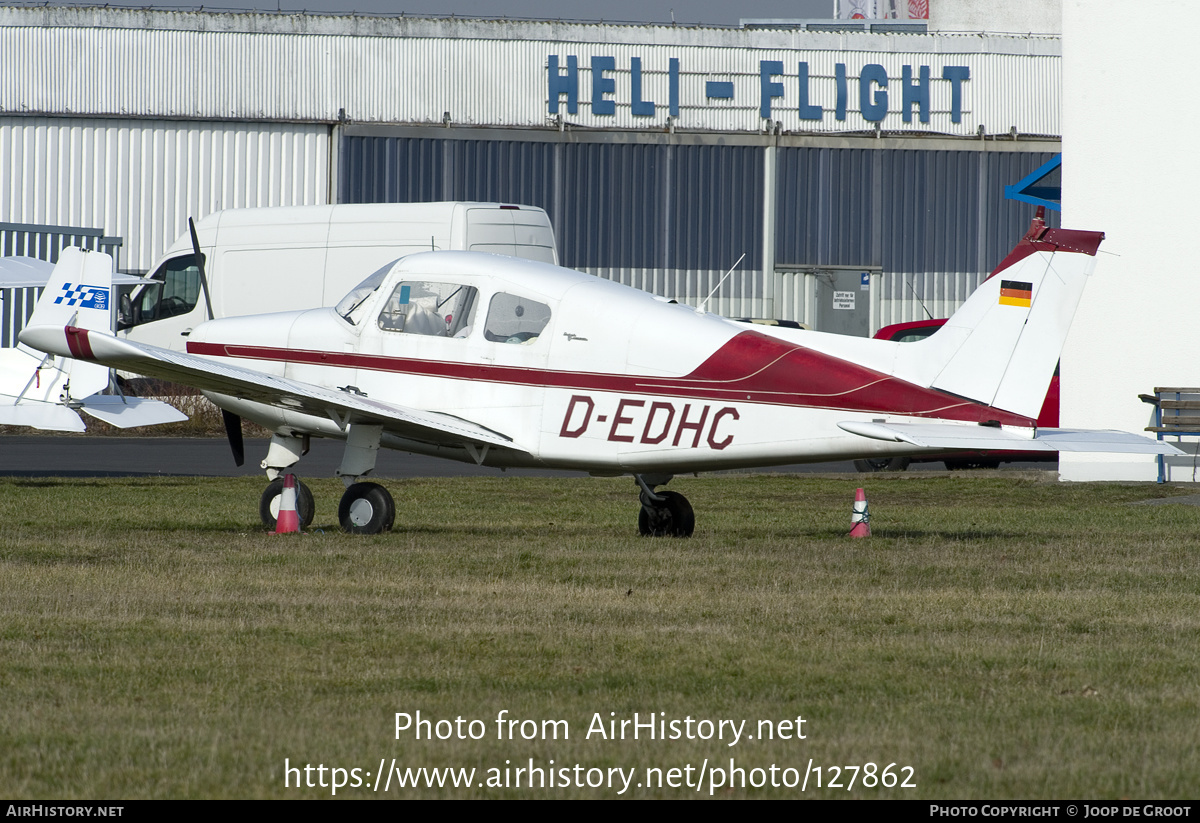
<point>359,294</point>
<point>175,290</point>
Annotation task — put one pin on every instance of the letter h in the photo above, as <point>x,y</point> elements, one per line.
<point>568,84</point>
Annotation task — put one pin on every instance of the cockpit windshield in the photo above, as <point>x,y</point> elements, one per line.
<point>359,294</point>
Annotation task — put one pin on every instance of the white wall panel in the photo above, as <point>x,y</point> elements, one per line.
<point>142,179</point>
<point>497,74</point>
<point>1136,326</point>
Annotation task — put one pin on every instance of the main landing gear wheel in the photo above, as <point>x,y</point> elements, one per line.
<point>367,508</point>
<point>268,507</point>
<point>672,516</point>
<point>882,464</point>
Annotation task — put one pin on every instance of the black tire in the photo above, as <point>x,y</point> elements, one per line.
<point>882,464</point>
<point>672,518</point>
<point>367,508</point>
<point>268,506</point>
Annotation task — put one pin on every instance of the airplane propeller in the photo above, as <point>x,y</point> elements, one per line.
<point>200,268</point>
<point>233,431</point>
<point>233,423</point>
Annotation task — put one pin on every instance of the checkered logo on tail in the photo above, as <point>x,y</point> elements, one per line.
<point>85,297</point>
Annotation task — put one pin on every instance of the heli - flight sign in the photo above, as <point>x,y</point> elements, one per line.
<point>794,93</point>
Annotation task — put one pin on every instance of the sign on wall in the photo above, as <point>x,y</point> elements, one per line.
<point>796,91</point>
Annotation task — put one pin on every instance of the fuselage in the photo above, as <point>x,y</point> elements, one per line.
<point>580,372</point>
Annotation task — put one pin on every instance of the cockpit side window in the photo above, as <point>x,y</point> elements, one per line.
<point>429,308</point>
<point>514,319</point>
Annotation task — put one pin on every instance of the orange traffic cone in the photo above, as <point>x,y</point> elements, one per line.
<point>288,520</point>
<point>860,520</point>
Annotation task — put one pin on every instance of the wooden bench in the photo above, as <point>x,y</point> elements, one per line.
<point>1176,414</point>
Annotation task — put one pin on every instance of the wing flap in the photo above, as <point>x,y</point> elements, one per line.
<point>279,392</point>
<point>967,437</point>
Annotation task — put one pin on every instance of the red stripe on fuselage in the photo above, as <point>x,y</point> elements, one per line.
<point>751,368</point>
<point>78,343</point>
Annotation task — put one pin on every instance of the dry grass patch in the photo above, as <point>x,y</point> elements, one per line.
<point>1004,637</point>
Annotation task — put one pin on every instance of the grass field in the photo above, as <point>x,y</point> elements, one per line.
<point>1004,636</point>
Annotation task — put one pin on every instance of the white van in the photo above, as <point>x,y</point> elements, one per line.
<point>302,257</point>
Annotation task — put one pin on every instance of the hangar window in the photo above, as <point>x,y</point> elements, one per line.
<point>513,319</point>
<point>429,308</point>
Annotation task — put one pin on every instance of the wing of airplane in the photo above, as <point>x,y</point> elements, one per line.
<point>342,407</point>
<point>975,437</point>
<point>20,272</point>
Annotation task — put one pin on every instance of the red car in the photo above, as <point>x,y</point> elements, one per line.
<point>1047,417</point>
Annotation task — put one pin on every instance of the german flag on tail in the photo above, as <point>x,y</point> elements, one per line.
<point>1015,293</point>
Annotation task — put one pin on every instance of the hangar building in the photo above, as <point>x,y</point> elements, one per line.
<point>858,175</point>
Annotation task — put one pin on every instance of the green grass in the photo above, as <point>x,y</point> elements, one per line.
<point>1004,636</point>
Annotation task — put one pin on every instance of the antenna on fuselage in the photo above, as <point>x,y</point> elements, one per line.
<point>919,300</point>
<point>704,303</point>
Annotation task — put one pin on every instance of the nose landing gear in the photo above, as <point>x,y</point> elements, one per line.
<point>268,506</point>
<point>663,514</point>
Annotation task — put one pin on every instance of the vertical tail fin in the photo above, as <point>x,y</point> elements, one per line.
<point>1001,347</point>
<point>44,391</point>
<point>78,294</point>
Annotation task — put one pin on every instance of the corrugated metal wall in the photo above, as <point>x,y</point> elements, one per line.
<point>142,179</point>
<point>825,207</point>
<point>496,73</point>
<point>45,242</point>
<point>946,225</point>
<point>666,217</point>
<point>673,216</point>
<point>934,221</point>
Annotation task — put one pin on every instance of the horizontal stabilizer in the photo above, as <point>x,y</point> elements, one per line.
<point>40,415</point>
<point>966,437</point>
<point>128,412</point>
<point>1085,440</point>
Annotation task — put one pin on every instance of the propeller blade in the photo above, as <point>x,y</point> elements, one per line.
<point>200,266</point>
<point>233,430</point>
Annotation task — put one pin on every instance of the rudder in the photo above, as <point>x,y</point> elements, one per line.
<point>1002,346</point>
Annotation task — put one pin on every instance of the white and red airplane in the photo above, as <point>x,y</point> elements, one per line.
<point>507,362</point>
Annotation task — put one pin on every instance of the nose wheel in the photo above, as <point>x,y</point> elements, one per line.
<point>268,506</point>
<point>367,508</point>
